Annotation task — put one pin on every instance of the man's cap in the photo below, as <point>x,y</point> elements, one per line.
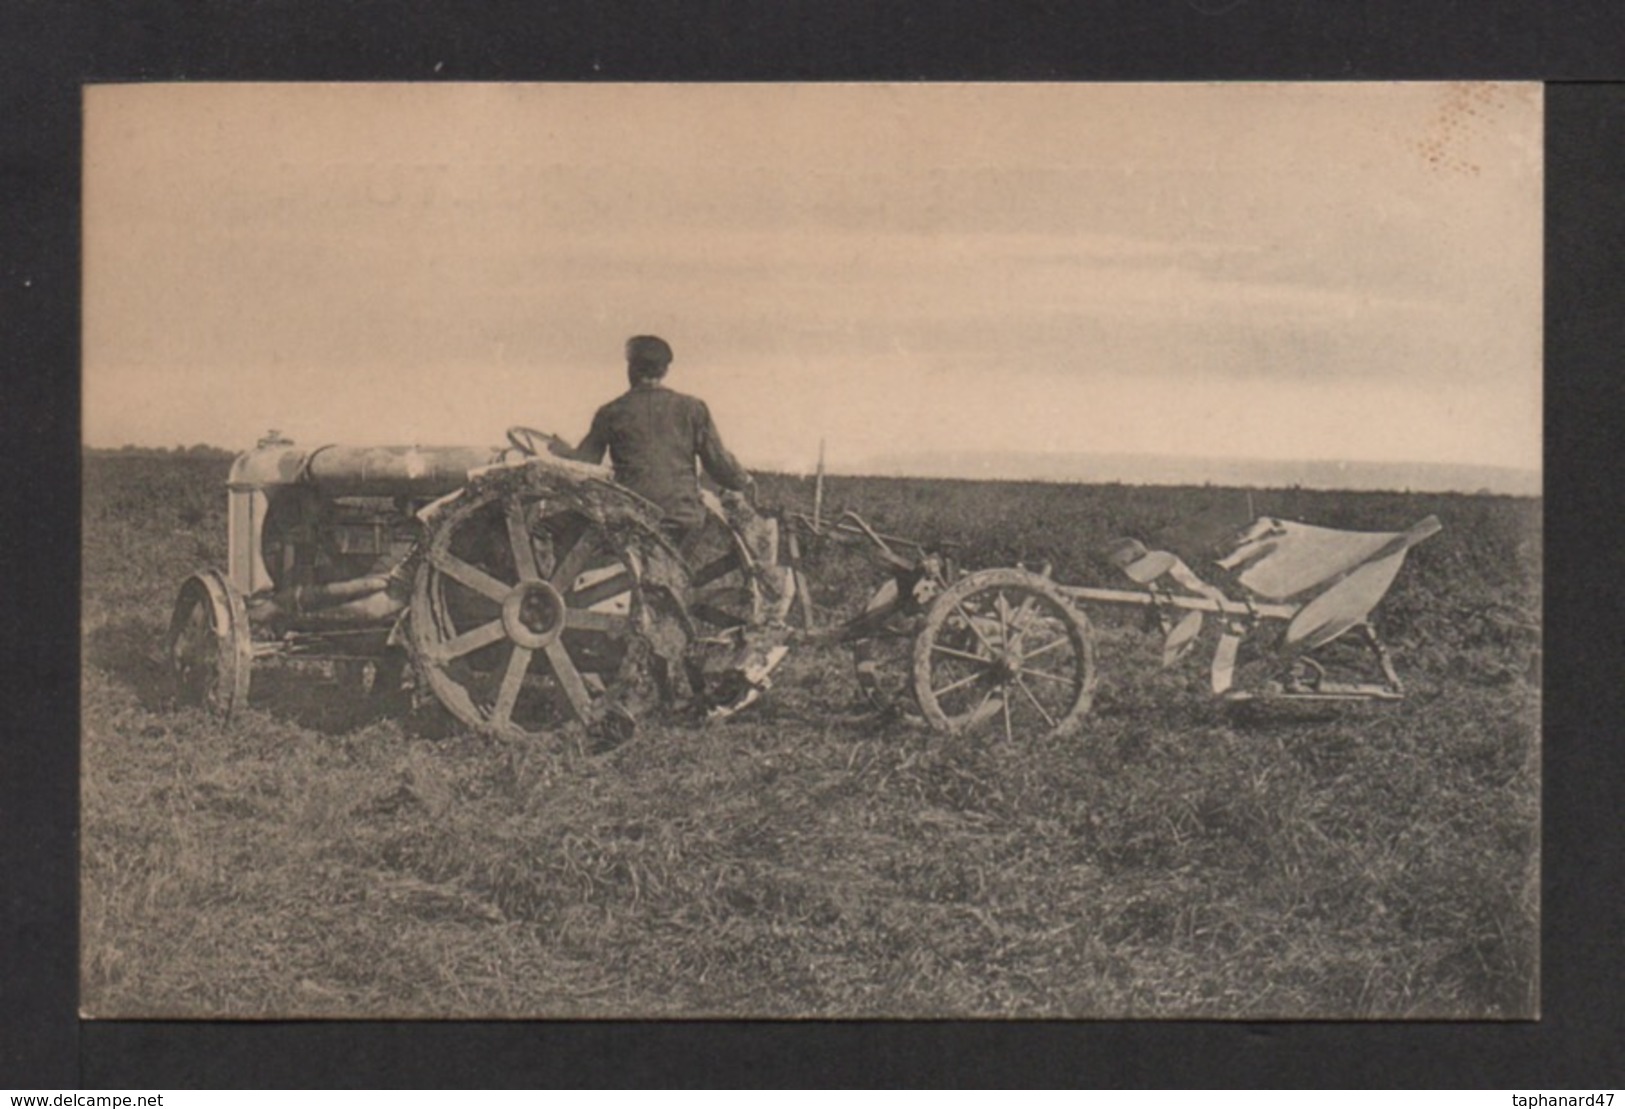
<point>648,348</point>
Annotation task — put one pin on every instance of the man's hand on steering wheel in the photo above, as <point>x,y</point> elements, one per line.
<point>530,442</point>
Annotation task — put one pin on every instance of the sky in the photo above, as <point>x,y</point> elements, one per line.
<point>1263,271</point>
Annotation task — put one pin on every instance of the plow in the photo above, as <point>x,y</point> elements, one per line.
<point>1010,650</point>
<point>530,593</point>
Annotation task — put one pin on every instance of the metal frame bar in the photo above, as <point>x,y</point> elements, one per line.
<point>1176,600</point>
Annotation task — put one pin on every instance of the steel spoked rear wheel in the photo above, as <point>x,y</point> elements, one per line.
<point>1004,652</point>
<point>530,610</point>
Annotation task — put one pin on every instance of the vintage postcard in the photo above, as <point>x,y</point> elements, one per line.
<point>812,551</point>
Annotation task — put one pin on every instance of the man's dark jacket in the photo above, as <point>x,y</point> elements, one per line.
<point>653,436</point>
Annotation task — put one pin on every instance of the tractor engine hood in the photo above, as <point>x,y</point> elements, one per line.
<point>360,471</point>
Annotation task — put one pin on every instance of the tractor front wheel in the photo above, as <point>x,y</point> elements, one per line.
<point>210,650</point>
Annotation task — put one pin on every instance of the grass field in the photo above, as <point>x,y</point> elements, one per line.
<point>1173,859</point>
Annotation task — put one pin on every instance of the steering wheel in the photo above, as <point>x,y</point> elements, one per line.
<point>530,442</point>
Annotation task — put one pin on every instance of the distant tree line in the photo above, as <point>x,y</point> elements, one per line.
<point>196,450</point>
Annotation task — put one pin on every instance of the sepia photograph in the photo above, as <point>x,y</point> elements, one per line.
<point>811,551</point>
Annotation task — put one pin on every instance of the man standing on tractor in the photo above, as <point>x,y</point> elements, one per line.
<point>654,435</point>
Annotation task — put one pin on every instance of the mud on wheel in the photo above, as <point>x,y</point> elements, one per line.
<point>1003,651</point>
<point>544,598</point>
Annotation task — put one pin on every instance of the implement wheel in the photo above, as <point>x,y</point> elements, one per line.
<point>210,651</point>
<point>545,598</point>
<point>1004,651</point>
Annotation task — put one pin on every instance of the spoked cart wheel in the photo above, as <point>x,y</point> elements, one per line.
<point>210,650</point>
<point>1004,652</point>
<point>545,598</point>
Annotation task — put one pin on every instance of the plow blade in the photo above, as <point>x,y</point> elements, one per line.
<point>1345,604</point>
